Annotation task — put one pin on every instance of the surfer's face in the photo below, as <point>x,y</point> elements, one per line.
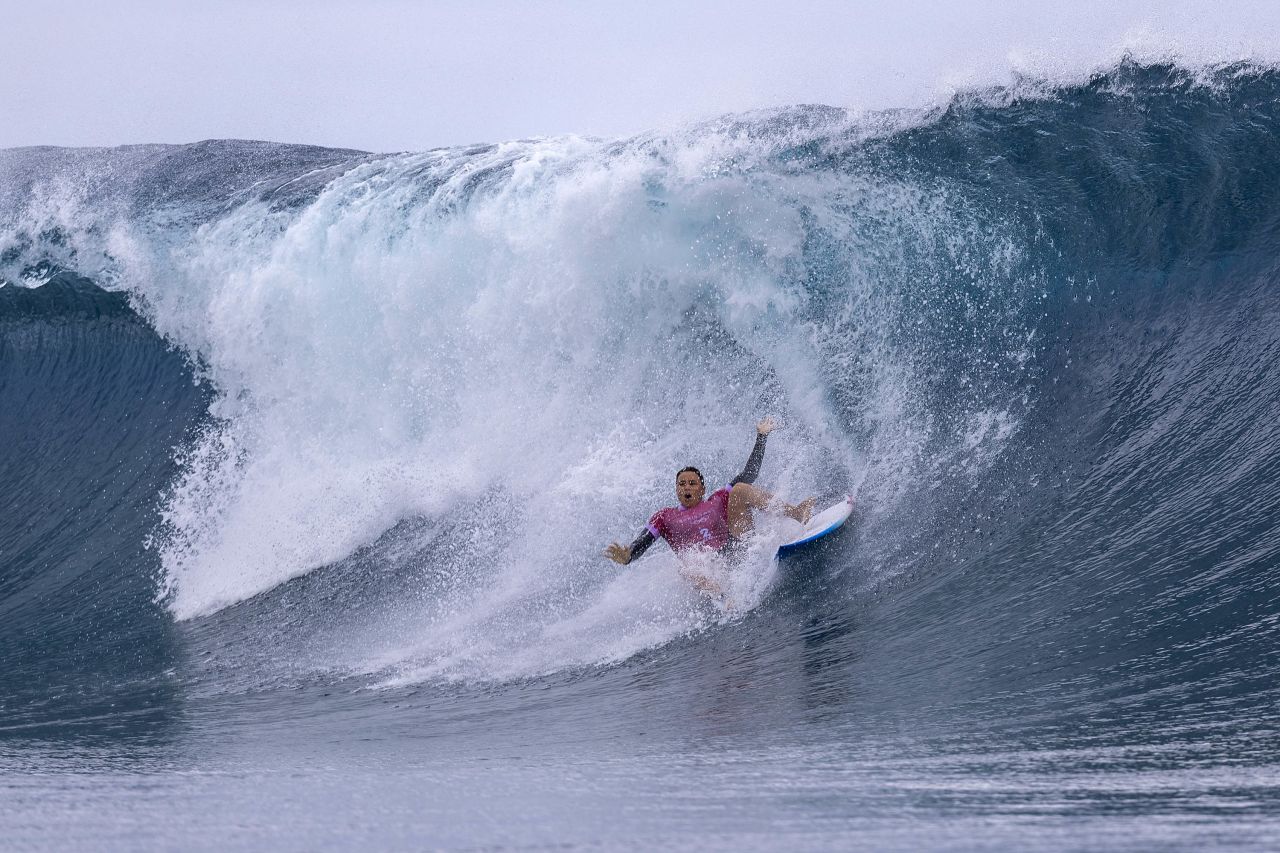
<point>689,489</point>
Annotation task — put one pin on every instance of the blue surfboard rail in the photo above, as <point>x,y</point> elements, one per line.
<point>808,536</point>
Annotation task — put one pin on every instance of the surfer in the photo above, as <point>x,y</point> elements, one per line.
<point>719,523</point>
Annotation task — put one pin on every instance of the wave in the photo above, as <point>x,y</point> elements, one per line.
<point>1031,330</point>
<point>93,405</point>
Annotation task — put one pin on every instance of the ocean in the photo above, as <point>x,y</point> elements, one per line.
<point>308,458</point>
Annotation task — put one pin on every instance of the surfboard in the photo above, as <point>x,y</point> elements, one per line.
<point>828,521</point>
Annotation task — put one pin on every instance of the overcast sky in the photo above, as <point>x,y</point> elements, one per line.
<point>391,75</point>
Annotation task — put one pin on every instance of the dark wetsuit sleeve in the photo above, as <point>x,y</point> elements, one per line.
<point>752,470</point>
<point>638,547</point>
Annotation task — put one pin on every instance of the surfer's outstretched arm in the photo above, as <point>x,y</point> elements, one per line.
<point>623,554</point>
<point>752,469</point>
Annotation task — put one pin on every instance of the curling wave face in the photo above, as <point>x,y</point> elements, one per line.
<point>1033,331</point>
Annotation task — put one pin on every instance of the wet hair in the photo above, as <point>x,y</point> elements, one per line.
<point>694,470</point>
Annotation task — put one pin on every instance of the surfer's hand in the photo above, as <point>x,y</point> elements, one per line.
<point>620,554</point>
<point>766,426</point>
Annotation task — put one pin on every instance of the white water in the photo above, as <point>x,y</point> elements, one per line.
<point>529,340</point>
<point>516,347</point>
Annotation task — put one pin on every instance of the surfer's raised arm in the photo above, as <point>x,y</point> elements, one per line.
<point>752,468</point>
<point>624,554</point>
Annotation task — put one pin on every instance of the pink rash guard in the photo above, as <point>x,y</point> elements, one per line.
<point>706,524</point>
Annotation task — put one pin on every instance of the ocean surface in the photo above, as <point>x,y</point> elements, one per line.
<point>308,457</point>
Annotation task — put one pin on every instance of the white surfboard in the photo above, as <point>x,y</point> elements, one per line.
<point>822,523</point>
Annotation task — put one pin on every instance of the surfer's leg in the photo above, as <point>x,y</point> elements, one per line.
<point>802,511</point>
<point>701,582</point>
<point>742,500</point>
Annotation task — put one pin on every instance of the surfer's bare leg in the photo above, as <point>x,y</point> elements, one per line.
<point>802,511</point>
<point>702,582</point>
<point>744,498</point>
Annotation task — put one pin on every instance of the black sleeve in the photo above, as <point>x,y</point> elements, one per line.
<point>638,547</point>
<point>752,470</point>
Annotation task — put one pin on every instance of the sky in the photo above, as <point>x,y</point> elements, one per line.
<point>397,75</point>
